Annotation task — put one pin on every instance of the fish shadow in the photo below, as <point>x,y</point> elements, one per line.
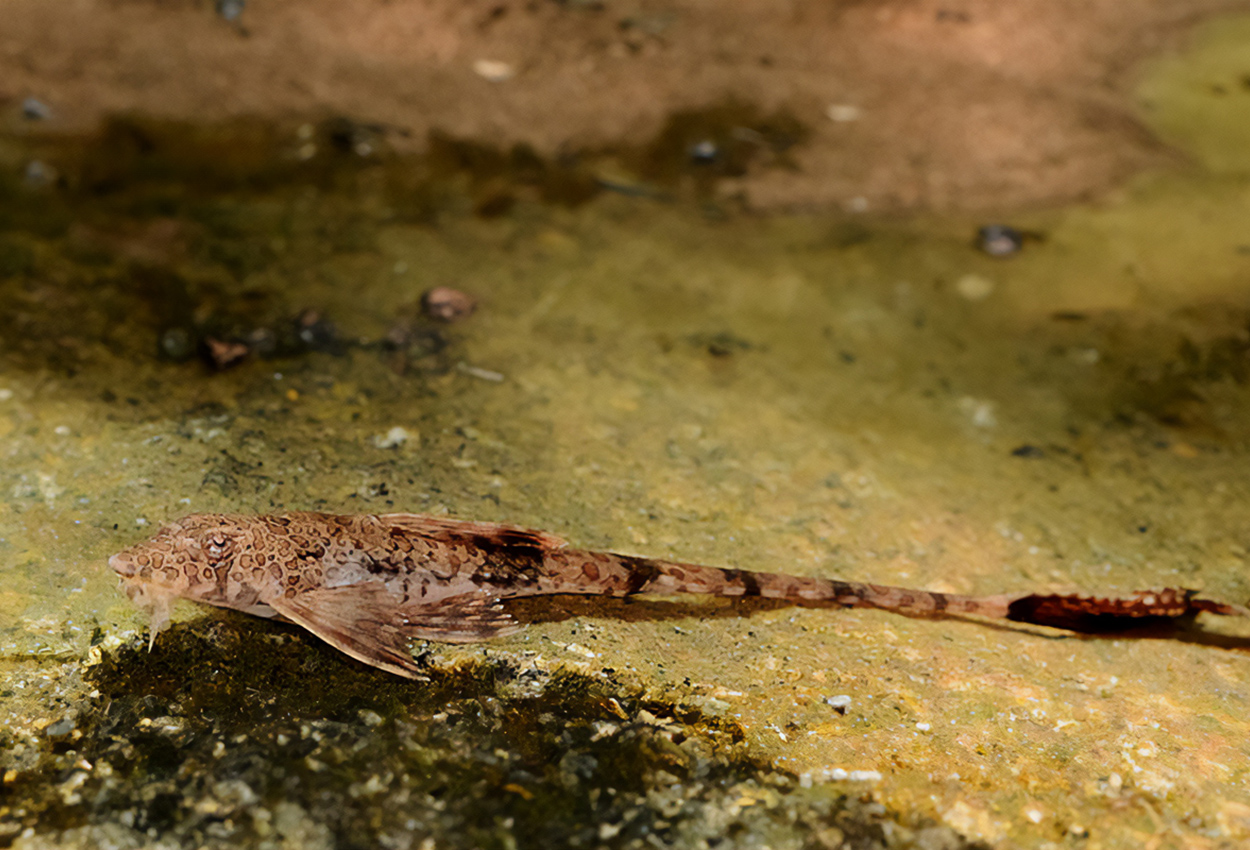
<point>539,610</point>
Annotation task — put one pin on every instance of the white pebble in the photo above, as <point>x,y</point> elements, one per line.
<point>493,70</point>
<point>864,776</point>
<point>923,727</point>
<point>141,521</point>
<point>6,394</point>
<point>974,287</point>
<point>61,430</point>
<point>840,701</point>
<point>979,411</point>
<point>843,112</point>
<point>393,438</point>
<point>478,372</point>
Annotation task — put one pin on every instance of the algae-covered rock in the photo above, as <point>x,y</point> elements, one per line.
<point>241,733</point>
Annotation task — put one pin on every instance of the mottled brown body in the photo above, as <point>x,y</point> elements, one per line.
<point>368,584</point>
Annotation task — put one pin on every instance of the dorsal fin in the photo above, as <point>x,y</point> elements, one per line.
<point>446,528</point>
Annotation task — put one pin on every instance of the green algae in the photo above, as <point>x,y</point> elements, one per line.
<point>1199,97</point>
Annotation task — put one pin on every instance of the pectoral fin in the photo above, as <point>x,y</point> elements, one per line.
<point>367,622</point>
<point>363,620</point>
<point>466,618</point>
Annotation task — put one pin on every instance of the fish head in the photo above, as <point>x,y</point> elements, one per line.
<point>192,558</point>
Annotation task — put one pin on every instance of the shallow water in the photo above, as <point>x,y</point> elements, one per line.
<point>836,395</point>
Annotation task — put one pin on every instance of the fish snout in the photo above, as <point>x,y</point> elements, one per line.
<point>122,564</point>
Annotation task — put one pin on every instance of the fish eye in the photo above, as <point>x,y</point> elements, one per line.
<point>217,545</point>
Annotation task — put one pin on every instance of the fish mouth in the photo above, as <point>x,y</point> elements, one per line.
<point>122,565</point>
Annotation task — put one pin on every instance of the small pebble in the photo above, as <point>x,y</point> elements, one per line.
<point>393,438</point>
<point>704,151</point>
<point>999,240</point>
<point>39,174</point>
<point>61,727</point>
<point>974,287</point>
<point>224,354</point>
<point>34,109</point>
<point>843,113</point>
<point>447,305</point>
<point>263,341</point>
<point>315,331</point>
<point>230,10</point>
<point>478,372</point>
<point>980,412</point>
<point>864,776</point>
<point>177,344</point>
<point>840,703</point>
<point>493,70</point>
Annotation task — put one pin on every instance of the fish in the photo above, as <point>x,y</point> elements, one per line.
<point>370,584</point>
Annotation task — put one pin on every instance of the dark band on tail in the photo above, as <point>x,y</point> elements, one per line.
<point>750,583</point>
<point>642,572</point>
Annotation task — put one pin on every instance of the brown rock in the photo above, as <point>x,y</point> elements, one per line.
<point>447,305</point>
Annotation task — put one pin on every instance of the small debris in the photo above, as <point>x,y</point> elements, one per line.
<point>34,109</point>
<point>477,372</point>
<point>448,305</point>
<point>317,332</point>
<point>230,10</point>
<point>493,70</point>
<point>840,703</point>
<point>393,438</point>
<point>223,354</point>
<point>578,649</point>
<point>39,174</point>
<point>705,151</point>
<point>864,776</point>
<point>263,341</point>
<point>177,344</point>
<point>979,412</point>
<point>974,287</point>
<point>843,113</point>
<point>1027,451</point>
<point>999,240</point>
<point>60,728</point>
